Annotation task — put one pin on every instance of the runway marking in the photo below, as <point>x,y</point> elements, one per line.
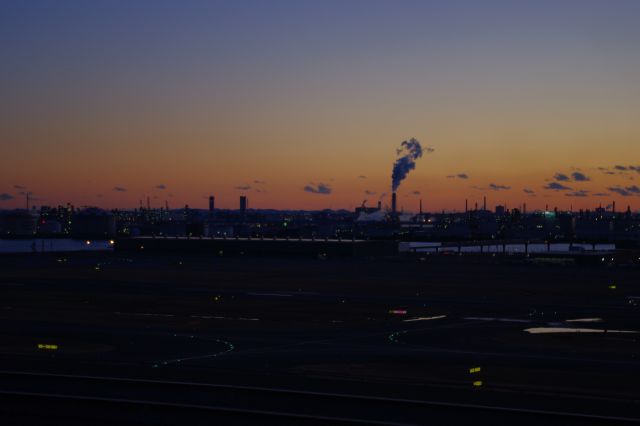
<point>497,319</point>
<point>308,393</point>
<point>229,348</point>
<point>144,314</point>
<point>424,318</point>
<point>549,330</point>
<point>270,294</point>
<point>208,408</point>
<point>225,318</point>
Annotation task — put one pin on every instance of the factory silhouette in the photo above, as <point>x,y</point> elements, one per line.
<point>363,223</point>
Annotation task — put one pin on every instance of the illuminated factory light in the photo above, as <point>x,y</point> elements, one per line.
<point>111,242</point>
<point>474,370</point>
<point>398,311</point>
<point>613,287</point>
<point>477,383</point>
<point>87,242</point>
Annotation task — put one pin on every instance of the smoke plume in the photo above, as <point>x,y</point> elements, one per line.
<point>408,153</point>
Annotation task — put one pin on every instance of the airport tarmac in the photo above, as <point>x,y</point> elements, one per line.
<point>399,335</point>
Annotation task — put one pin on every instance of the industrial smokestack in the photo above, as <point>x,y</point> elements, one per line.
<point>212,203</point>
<point>379,205</point>
<point>466,206</point>
<point>613,207</point>
<point>420,207</point>
<point>484,204</point>
<point>393,203</point>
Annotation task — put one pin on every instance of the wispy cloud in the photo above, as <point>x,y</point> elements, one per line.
<point>366,191</point>
<point>580,177</point>
<point>496,187</point>
<point>625,191</point>
<point>244,187</point>
<point>528,191</point>
<point>578,193</point>
<point>555,186</point>
<point>161,186</point>
<point>574,176</point>
<point>320,188</point>
<point>6,197</point>
<point>362,177</point>
<point>458,176</point>
<point>119,189</point>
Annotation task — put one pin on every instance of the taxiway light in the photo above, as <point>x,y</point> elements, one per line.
<point>47,347</point>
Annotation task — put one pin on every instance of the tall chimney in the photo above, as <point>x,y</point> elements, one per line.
<point>484,204</point>
<point>466,206</point>
<point>421,207</point>
<point>614,207</point>
<point>379,205</point>
<point>212,203</point>
<point>393,203</point>
<point>524,208</point>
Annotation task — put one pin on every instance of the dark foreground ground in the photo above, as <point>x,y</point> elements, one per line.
<point>121,339</point>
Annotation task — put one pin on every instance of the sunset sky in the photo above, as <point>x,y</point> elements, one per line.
<point>104,103</point>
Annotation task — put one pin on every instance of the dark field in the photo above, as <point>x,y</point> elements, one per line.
<point>268,331</point>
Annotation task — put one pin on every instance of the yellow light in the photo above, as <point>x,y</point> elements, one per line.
<point>112,242</point>
<point>87,242</point>
<point>613,287</point>
<point>474,370</point>
<point>477,383</point>
<point>47,347</point>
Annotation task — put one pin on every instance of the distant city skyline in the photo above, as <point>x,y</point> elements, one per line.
<point>302,104</point>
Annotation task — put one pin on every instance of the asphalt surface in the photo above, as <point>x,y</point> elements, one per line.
<point>309,341</point>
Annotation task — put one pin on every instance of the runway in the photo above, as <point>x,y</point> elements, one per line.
<point>386,337</point>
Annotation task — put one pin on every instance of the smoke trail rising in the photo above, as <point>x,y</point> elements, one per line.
<point>408,153</point>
